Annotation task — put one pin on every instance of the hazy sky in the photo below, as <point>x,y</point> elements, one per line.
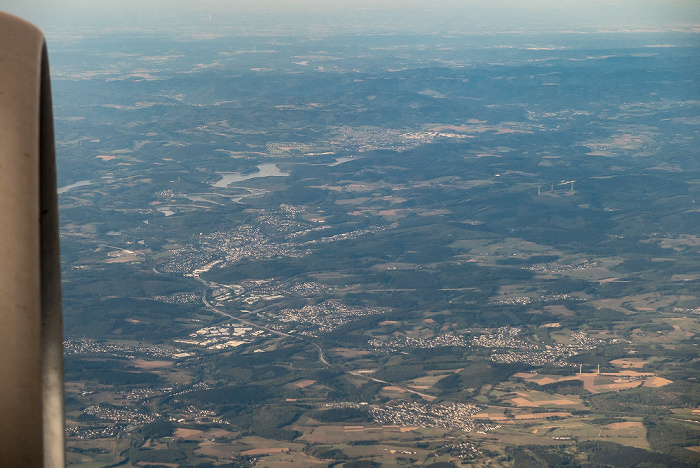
<point>355,15</point>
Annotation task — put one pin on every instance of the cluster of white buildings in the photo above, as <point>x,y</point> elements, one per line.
<point>221,336</point>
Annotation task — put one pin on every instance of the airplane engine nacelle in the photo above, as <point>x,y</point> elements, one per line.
<point>31,346</point>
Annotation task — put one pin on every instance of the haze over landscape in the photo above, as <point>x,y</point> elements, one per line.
<point>364,234</point>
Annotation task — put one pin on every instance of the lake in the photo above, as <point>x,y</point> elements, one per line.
<point>264,170</point>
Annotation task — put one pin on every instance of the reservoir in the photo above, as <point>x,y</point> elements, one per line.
<point>264,170</point>
<point>79,183</point>
<point>340,161</point>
